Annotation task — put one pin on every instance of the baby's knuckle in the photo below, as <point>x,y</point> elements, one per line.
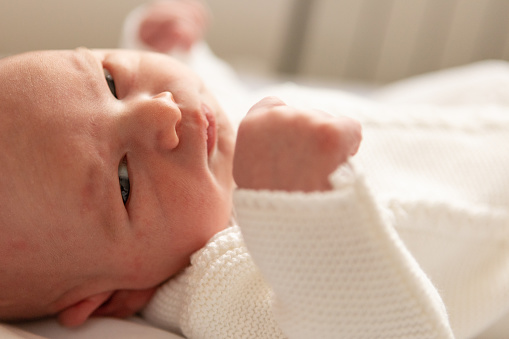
<point>329,135</point>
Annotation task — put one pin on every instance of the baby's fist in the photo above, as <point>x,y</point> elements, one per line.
<point>175,24</point>
<point>283,148</point>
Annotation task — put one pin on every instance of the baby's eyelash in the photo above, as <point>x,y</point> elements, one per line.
<point>110,82</point>
<point>123,179</point>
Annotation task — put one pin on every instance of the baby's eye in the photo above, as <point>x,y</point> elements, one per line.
<point>123,179</point>
<point>110,82</point>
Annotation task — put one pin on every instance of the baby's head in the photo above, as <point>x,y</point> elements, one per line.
<point>69,240</point>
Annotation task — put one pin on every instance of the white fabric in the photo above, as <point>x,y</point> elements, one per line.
<point>12,332</point>
<point>334,267</point>
<point>481,83</point>
<point>97,327</point>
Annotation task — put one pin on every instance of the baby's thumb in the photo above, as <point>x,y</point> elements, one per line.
<point>265,104</point>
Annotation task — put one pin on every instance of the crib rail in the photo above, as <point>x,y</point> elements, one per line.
<point>385,40</point>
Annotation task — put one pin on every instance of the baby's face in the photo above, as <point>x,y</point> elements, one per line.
<point>64,129</point>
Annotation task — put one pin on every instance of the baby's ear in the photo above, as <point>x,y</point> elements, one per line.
<point>78,313</point>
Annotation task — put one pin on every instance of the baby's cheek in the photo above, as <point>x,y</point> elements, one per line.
<point>136,264</point>
<point>18,245</point>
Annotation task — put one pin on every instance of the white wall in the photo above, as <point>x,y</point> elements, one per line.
<point>384,40</point>
<point>242,31</point>
<point>249,33</point>
<point>54,24</point>
<point>372,40</point>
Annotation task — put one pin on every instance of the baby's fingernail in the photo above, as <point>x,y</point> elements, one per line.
<point>267,102</point>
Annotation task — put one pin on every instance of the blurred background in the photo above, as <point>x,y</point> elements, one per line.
<point>360,40</point>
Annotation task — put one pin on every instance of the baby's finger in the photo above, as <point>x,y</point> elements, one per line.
<point>265,104</point>
<point>352,134</point>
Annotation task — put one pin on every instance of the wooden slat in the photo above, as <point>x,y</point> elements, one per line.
<point>300,14</point>
<point>370,32</point>
<point>400,40</point>
<point>249,34</point>
<point>329,38</point>
<point>432,36</point>
<point>505,54</point>
<point>466,28</point>
<point>494,31</point>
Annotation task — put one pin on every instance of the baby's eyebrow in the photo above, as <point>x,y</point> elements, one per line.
<point>86,62</point>
<point>88,56</point>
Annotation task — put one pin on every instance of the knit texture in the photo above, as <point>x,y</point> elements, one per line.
<point>334,266</point>
<point>442,174</point>
<point>222,295</point>
<point>337,268</point>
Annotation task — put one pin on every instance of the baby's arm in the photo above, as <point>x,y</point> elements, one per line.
<point>333,260</point>
<point>166,26</point>
<point>173,24</point>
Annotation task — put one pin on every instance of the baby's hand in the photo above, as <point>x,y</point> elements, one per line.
<point>167,25</point>
<point>282,148</point>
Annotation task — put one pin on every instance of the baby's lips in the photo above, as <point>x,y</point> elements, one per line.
<point>211,128</point>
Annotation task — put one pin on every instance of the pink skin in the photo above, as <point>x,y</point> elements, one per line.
<point>176,24</point>
<point>282,148</point>
<point>68,242</point>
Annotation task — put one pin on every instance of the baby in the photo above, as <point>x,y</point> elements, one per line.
<point>69,119</point>
<point>117,181</point>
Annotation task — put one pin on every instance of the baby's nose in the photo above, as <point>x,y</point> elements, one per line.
<point>156,119</point>
<point>165,96</point>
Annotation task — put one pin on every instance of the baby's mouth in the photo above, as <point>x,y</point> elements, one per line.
<point>211,129</point>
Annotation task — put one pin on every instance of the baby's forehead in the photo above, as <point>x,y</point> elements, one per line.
<point>49,79</point>
<point>45,98</point>
<point>48,67</point>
